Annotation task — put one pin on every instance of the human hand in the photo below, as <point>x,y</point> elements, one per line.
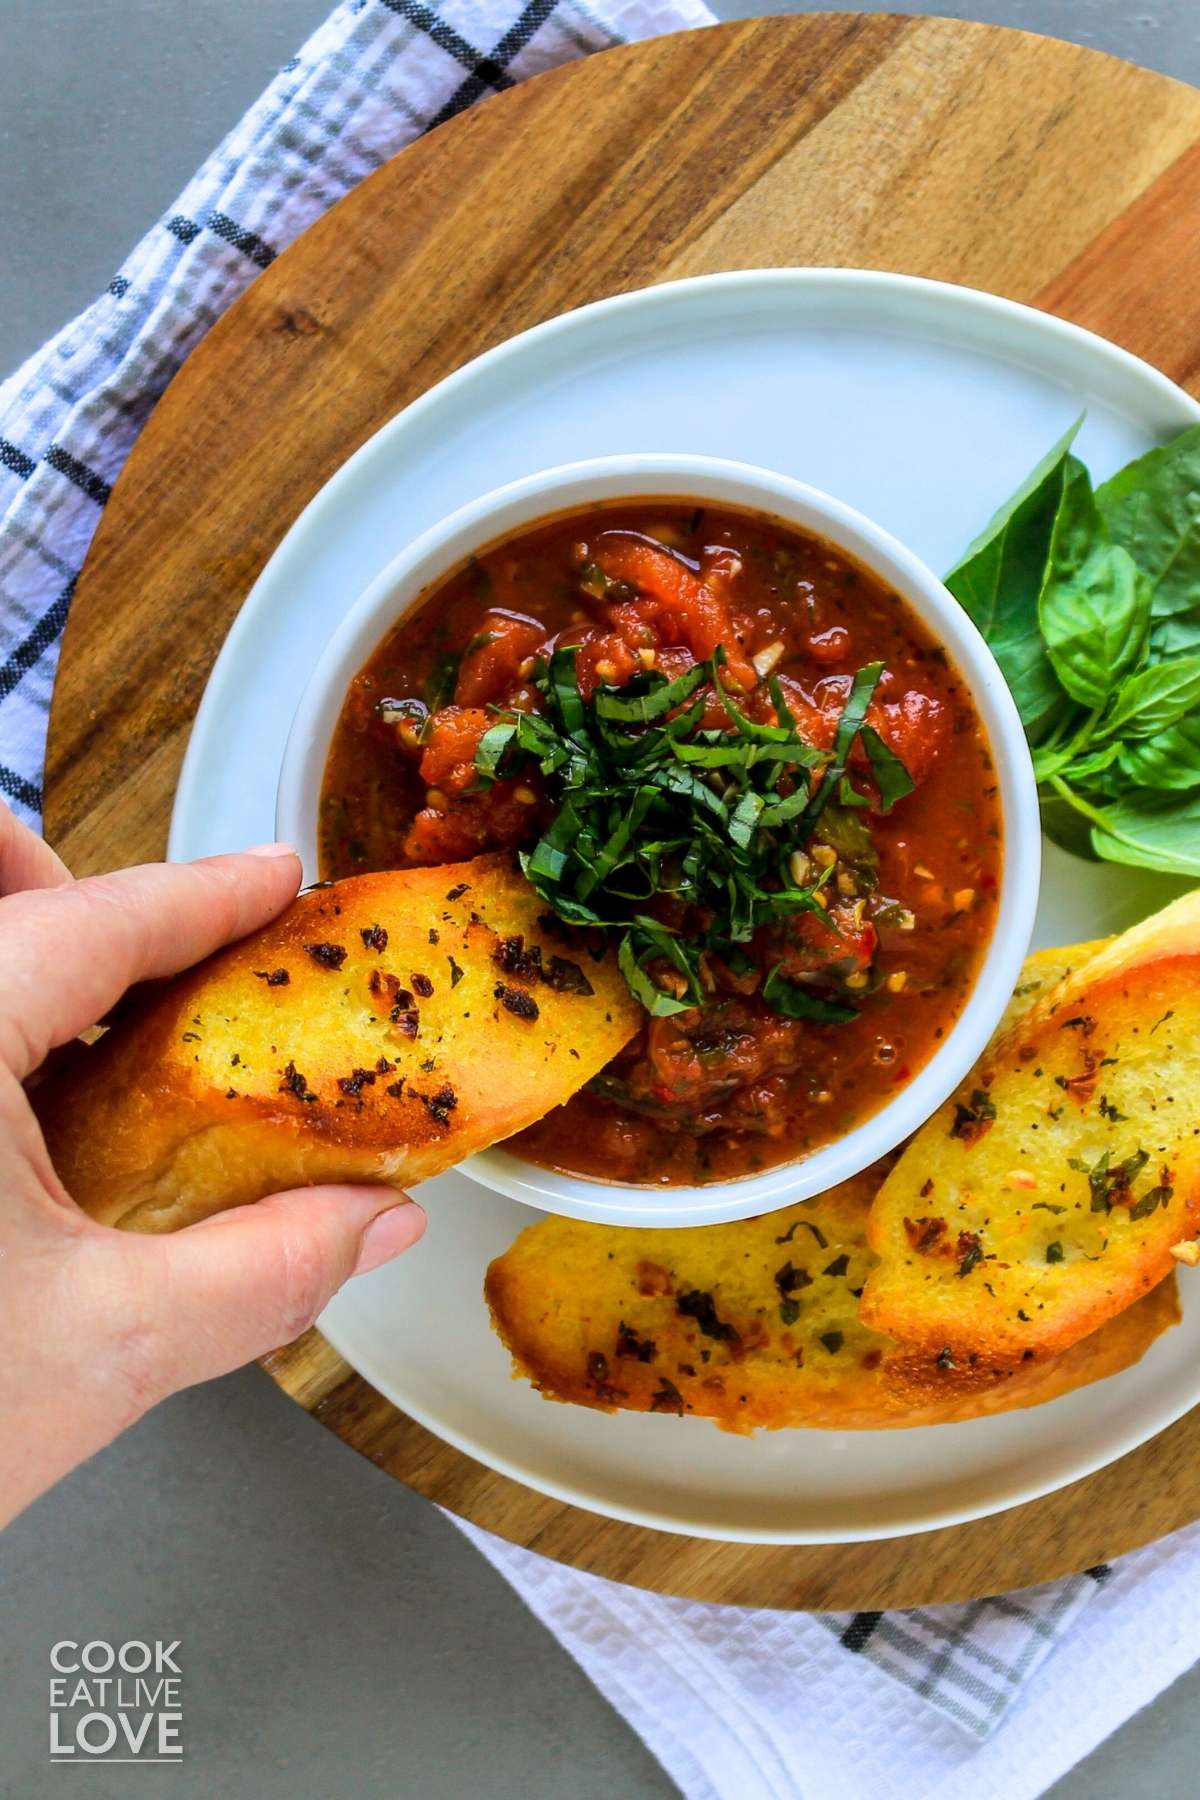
<point>97,1326</point>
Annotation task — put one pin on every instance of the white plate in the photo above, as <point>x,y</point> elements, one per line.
<point>919,403</point>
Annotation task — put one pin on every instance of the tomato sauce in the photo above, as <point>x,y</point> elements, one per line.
<point>908,894</point>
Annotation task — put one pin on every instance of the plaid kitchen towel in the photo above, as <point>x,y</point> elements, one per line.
<point>738,1705</point>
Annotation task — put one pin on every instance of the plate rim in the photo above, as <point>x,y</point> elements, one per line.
<point>1008,317</point>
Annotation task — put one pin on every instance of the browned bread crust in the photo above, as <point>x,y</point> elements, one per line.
<point>1045,1197</point>
<point>757,1324</point>
<point>370,1033</point>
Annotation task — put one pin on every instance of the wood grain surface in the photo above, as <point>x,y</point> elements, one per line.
<point>1029,167</point>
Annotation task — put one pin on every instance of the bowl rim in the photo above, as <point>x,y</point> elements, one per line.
<point>430,557</point>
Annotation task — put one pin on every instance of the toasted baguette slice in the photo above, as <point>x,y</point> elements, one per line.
<point>1046,1195</point>
<point>368,1034</point>
<point>756,1325</point>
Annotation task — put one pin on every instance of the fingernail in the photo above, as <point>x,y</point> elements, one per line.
<point>271,850</point>
<point>387,1235</point>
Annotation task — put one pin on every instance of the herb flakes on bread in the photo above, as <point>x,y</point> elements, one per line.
<point>381,1029</point>
<point>1056,1187</point>
<point>757,1325</point>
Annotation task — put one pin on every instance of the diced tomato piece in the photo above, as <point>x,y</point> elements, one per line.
<point>506,641</point>
<point>627,619</point>
<point>490,820</point>
<point>449,759</point>
<point>809,944</point>
<point>437,837</point>
<point>684,605</point>
<point>916,727</point>
<point>816,712</point>
<point>604,660</point>
<point>831,646</point>
<point>695,1058</point>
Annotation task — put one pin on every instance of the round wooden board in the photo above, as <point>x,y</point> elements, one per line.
<point>990,157</point>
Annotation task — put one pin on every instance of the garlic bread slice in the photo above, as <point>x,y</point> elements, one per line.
<point>756,1325</point>
<point>1046,1195</point>
<point>381,1029</point>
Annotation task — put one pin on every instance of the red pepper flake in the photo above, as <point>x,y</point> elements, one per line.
<point>273,977</point>
<point>666,1398</point>
<point>375,938</point>
<point>923,1234</point>
<point>703,1308</point>
<point>330,956</point>
<point>1082,1086</point>
<point>395,1089</point>
<point>630,1344</point>
<point>927,1187</point>
<point>439,1106</point>
<point>422,985</point>
<point>456,893</point>
<point>511,955</point>
<point>517,1001</point>
<point>381,982</point>
<point>972,1119</point>
<point>294,1083</point>
<point>353,1084</point>
<point>1084,1024</point>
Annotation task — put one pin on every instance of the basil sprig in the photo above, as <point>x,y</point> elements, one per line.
<point>653,806</point>
<point>1090,600</point>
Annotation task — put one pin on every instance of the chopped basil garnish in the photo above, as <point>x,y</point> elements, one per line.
<point>653,807</point>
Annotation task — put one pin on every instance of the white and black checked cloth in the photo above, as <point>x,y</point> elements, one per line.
<point>738,1705</point>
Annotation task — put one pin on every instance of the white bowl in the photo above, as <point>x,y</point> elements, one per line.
<point>406,581</point>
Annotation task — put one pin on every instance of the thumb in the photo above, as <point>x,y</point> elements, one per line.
<point>235,1286</point>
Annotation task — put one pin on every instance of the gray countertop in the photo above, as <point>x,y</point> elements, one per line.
<point>339,1636</point>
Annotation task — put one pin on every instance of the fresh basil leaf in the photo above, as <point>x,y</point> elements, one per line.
<point>891,777</point>
<point>1154,698</point>
<point>563,688</point>
<point>1177,636</point>
<point>1152,831</point>
<point>1171,760</point>
<point>783,711</point>
<point>743,821</point>
<point>618,843</point>
<point>637,947</point>
<point>844,831</point>
<point>795,1002</point>
<point>1067,827</point>
<point>999,576</point>
<point>635,749</point>
<point>489,752</point>
<point>1151,508</point>
<point>441,681</point>
<point>1092,763</point>
<point>862,692</point>
<point>1094,607</point>
<point>746,727</point>
<point>654,699</point>
<point>741,755</point>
